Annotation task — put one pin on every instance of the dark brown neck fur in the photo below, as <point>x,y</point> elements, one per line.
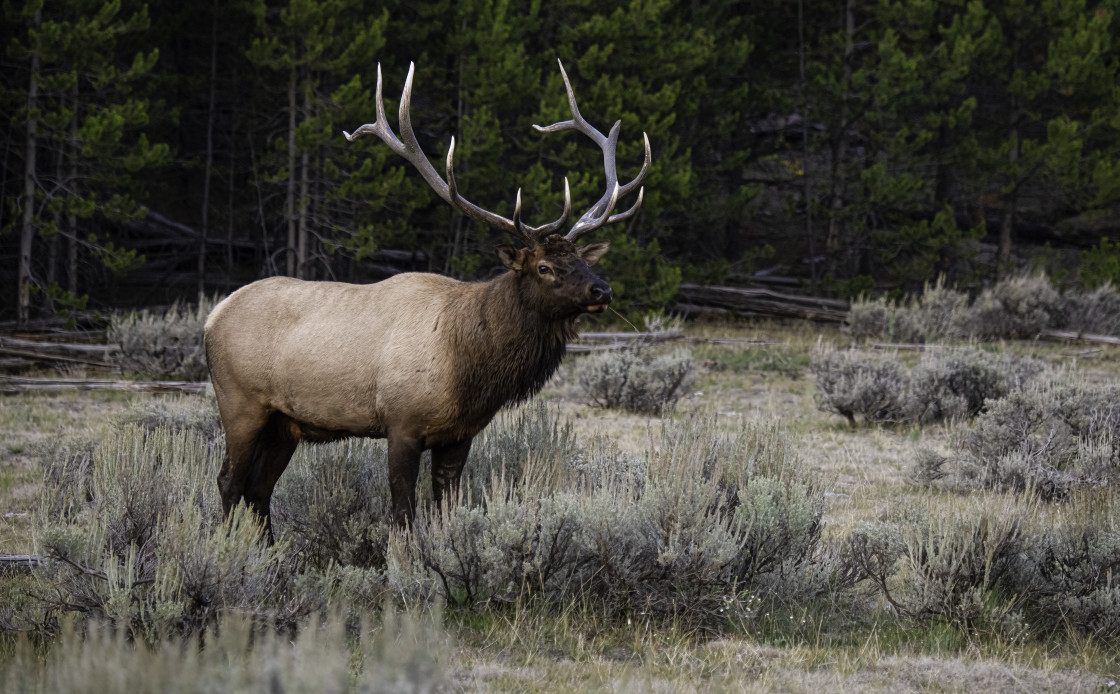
<point>506,347</point>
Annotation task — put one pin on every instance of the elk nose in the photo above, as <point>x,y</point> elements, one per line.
<point>601,294</point>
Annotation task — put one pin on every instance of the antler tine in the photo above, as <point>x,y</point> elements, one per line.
<point>408,147</point>
<point>600,213</point>
<point>544,230</point>
<point>379,127</point>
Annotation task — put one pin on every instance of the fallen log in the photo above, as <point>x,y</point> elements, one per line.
<point>654,336</point>
<point>77,353</point>
<point>51,356</point>
<point>23,384</point>
<point>11,563</point>
<point>606,341</point>
<point>55,346</point>
<point>702,312</point>
<point>1074,335</point>
<point>764,302</point>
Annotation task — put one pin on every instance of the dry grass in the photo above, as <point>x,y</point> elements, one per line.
<point>575,648</point>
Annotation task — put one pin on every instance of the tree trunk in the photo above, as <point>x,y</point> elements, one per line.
<point>204,225</point>
<point>809,234</point>
<point>27,230</point>
<point>231,192</point>
<point>840,145</point>
<point>304,176</point>
<point>72,218</point>
<point>290,203</point>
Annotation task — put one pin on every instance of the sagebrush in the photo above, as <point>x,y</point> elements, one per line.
<point>167,345</point>
<point>635,380</point>
<point>1013,308</point>
<point>946,383</point>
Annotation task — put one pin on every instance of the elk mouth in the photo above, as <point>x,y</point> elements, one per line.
<point>595,308</point>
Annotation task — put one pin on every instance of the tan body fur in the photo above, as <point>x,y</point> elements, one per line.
<point>423,360</point>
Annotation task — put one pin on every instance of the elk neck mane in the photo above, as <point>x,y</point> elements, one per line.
<point>509,346</point>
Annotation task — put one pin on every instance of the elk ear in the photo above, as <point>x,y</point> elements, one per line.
<point>591,254</point>
<point>512,258</point>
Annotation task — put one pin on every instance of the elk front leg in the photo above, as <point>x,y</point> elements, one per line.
<point>404,468</point>
<point>447,467</point>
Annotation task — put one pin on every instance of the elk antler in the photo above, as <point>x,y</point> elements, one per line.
<point>600,214</point>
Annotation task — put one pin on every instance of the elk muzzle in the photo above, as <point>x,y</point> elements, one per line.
<point>600,295</point>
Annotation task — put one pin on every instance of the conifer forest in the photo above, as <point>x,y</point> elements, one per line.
<point>151,150</point>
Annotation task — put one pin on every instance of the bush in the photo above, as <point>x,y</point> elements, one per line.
<point>938,565</point>
<point>1052,436</point>
<point>711,517</point>
<point>146,547</point>
<point>635,380</point>
<point>134,534</point>
<point>939,312</point>
<point>1017,307</point>
<point>956,383</point>
<point>332,504</point>
<point>1068,573</point>
<point>872,385</point>
<point>946,383</point>
<point>880,319</point>
<point>1095,312</point>
<point>198,413</point>
<point>934,315</point>
<point>162,346</point>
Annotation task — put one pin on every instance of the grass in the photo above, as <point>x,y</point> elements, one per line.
<point>576,646</point>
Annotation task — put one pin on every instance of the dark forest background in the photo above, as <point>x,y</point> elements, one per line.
<point>150,151</point>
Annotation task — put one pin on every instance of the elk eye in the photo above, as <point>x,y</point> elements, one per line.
<point>544,269</point>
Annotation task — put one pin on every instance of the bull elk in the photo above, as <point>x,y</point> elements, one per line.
<point>420,359</point>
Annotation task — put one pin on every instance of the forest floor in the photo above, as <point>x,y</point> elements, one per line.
<point>541,650</point>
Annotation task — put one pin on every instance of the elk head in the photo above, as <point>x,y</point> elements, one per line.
<point>554,273</point>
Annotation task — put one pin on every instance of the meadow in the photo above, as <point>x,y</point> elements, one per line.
<point>807,515</point>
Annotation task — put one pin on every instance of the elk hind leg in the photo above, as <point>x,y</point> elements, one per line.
<point>243,430</point>
<point>275,445</point>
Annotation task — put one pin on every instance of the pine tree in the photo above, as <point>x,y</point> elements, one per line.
<point>84,143</point>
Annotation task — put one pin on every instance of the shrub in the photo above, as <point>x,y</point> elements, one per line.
<point>147,549</point>
<point>934,315</point>
<point>134,531</point>
<point>930,564</point>
<point>1017,307</point>
<point>939,312</point>
<point>1068,573</point>
<point>1096,311</point>
<point>167,345</point>
<point>635,380</point>
<point>955,383</point>
<point>946,383</point>
<point>1052,436</point>
<point>177,412</point>
<point>879,318</point>
<point>852,382</point>
<point>332,504</point>
<point>712,516</point>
